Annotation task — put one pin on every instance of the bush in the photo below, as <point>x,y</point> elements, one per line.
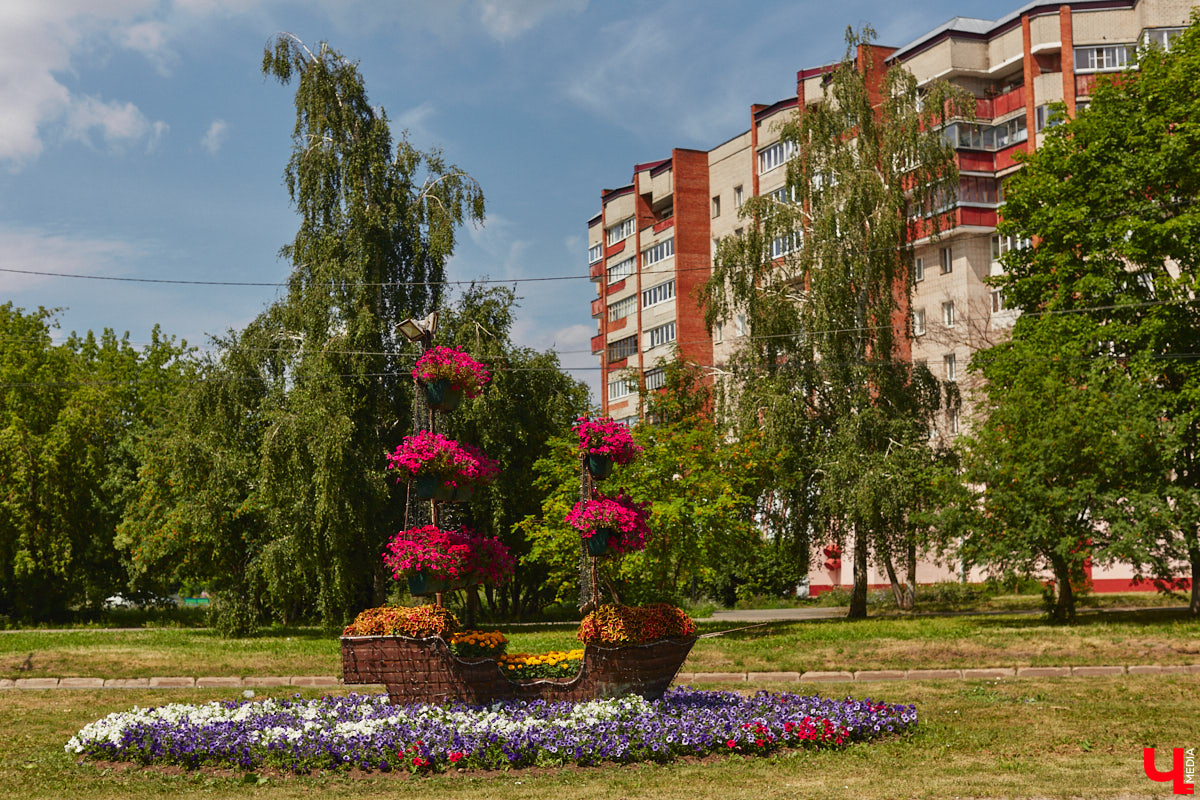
<point>616,625</point>
<point>415,621</point>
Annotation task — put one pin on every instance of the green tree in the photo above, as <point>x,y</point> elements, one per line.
<point>703,487</point>
<point>822,372</point>
<point>1111,198</point>
<point>69,417</point>
<point>294,465</point>
<point>1065,438</point>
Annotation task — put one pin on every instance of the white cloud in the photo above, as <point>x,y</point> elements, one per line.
<point>37,42</point>
<point>41,250</point>
<point>416,121</point>
<point>505,20</point>
<point>215,136</point>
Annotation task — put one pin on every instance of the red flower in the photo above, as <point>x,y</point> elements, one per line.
<point>731,743</point>
<point>456,756</point>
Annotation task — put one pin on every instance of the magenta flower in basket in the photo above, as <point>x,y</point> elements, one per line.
<point>440,466</point>
<point>603,443</point>
<point>611,523</point>
<point>430,558</point>
<point>490,562</point>
<point>448,374</point>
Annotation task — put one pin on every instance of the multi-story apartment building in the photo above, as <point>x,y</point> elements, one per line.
<point>651,244</point>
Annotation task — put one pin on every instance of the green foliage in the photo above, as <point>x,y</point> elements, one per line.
<point>822,374</point>
<point>1111,197</point>
<point>70,416</point>
<point>271,486</point>
<point>1065,436</point>
<point>702,485</point>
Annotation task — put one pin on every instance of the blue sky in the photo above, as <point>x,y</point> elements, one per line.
<point>138,138</point>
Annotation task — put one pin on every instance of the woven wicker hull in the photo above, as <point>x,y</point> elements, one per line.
<point>425,671</point>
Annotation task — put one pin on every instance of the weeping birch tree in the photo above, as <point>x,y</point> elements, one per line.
<point>823,276</point>
<point>309,497</point>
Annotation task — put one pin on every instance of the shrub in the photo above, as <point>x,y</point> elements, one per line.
<point>616,625</point>
<point>416,621</point>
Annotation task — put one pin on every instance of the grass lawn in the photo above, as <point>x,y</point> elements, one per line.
<point>1066,737</point>
<point>1143,636</point>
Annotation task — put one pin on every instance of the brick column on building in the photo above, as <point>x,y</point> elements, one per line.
<point>754,109</point>
<point>1067,37</point>
<point>604,296</point>
<point>1031,71</point>
<point>693,253</point>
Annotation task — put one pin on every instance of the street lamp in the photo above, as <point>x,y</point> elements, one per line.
<point>419,330</point>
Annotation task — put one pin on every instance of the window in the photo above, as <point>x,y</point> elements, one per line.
<point>622,230</point>
<point>621,387</point>
<point>948,361</point>
<point>622,308</point>
<point>918,322</point>
<point>622,348</point>
<point>952,420</point>
<point>1047,118</point>
<point>777,154</point>
<point>655,254</point>
<point>738,232</point>
<point>1003,244</point>
<point>739,197</point>
<point>997,300</point>
<point>788,243</point>
<point>946,258</point>
<point>719,333</point>
<point>977,190</point>
<point>948,314</point>
<point>918,269</point>
<point>660,335</point>
<point>972,136</point>
<point>740,326</point>
<point>784,194</point>
<point>1103,58</point>
<point>655,379</point>
<point>1160,37</point>
<point>658,294</point>
<point>595,253</point>
<point>716,206</point>
<point>621,271</point>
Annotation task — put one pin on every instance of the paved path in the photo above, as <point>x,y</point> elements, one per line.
<point>985,673</point>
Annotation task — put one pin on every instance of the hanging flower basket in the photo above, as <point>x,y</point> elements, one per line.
<point>600,466</point>
<point>441,467</point>
<point>624,519</point>
<point>460,374</point>
<point>421,583</point>
<point>597,543</point>
<point>603,437</point>
<point>433,487</point>
<point>443,395</point>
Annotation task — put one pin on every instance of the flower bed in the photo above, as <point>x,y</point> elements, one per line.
<point>368,733</point>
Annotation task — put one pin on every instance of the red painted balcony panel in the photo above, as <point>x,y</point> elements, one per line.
<point>617,324</point>
<point>620,364</point>
<point>976,161</point>
<point>616,287</point>
<point>596,271</point>
<point>616,248</point>
<point>970,215</point>
<point>666,223</point>
<point>598,344</point>
<point>1084,84</point>
<point>1008,102</point>
<point>598,307</point>
<point>1006,158</point>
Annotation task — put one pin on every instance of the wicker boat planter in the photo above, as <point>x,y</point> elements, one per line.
<point>425,671</point>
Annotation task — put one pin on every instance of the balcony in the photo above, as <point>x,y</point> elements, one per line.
<point>597,307</point>
<point>596,271</point>
<point>598,344</point>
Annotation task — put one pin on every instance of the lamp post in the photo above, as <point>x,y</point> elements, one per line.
<point>420,332</point>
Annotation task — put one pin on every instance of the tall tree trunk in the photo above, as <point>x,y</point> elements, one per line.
<point>1194,557</point>
<point>858,596</point>
<point>899,590</point>
<point>910,568</point>
<point>1064,604</point>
